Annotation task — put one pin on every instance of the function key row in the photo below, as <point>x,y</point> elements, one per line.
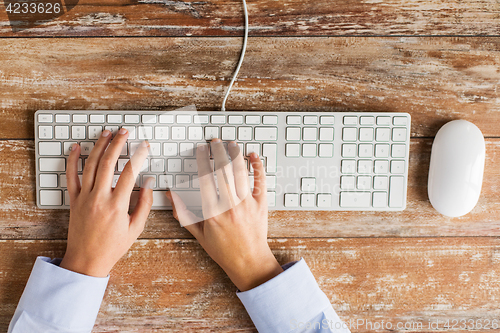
<point>381,134</point>
<point>370,120</point>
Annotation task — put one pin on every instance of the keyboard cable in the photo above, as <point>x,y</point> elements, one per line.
<point>242,56</point>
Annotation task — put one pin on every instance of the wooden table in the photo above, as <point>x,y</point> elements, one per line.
<point>436,60</point>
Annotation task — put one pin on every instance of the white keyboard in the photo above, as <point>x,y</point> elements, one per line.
<point>314,161</point>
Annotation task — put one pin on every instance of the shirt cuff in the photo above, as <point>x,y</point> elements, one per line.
<point>292,296</point>
<point>62,298</point>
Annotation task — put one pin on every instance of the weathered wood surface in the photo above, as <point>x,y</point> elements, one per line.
<point>435,80</point>
<point>173,285</point>
<point>20,219</point>
<point>268,17</point>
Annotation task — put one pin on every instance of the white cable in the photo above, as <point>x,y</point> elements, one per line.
<point>242,55</point>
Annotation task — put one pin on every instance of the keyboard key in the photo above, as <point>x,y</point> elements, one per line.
<point>244,133</point>
<point>228,133</point>
<point>355,199</point>
<point>178,133</point>
<point>266,133</point>
<point>235,120</point>
<point>186,149</point>
<point>382,134</point>
<point>326,134</point>
<point>113,129</point>
<point>383,121</point>
<point>327,120</point>
<point>115,181</point>
<point>170,149</point>
<point>271,199</point>
<point>398,150</point>
<point>349,150</point>
<point>324,200</point>
<point>380,183</point>
<point>349,134</point>
<point>212,133</point>
<point>45,132</point>
<point>366,120</point>
<point>381,150</point>
<point>146,132</point>
<point>309,150</point>
<point>62,180</point>
<point>307,200</point>
<point>50,197</point>
<point>252,120</point>
<point>63,118</point>
<point>95,119</point>
<point>366,134</point>
<point>169,119</point>
<point>396,192</point>
<point>310,120</point>
<point>161,133</point>
<point>291,200</point>
<point>182,181</point>
<point>270,120</point>
<point>364,182</point>
<point>67,147</point>
<point>293,134</point>
<point>174,165</point>
<point>271,182</point>
<point>399,134</point>
<point>350,120</point>
<point>122,162</point>
<point>348,182</point>
<point>49,148</point>
<point>365,150</point>
<point>399,121</point>
<point>195,133</point>
<point>190,165</point>
<point>94,132</point>
<point>48,180</point>
<point>165,181</point>
<point>218,119</point>
<point>131,132</point>
<point>348,166</point>
<point>381,166</point>
<point>379,199</point>
<point>293,120</point>
<point>253,148</point>
<point>397,167</point>
<point>292,150</point>
<point>364,166</point>
<point>44,118</point>
<point>52,164</point>
<point>132,119</point>
<point>114,118</point>
<point>183,119</point>
<point>78,132</point>
<point>308,184</point>
<point>310,134</point>
<point>154,149</point>
<point>86,147</point>
<point>270,152</point>
<point>149,119</point>
<point>79,118</point>
<point>325,150</point>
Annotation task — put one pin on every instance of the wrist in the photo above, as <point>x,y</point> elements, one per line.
<point>255,271</point>
<point>83,267</point>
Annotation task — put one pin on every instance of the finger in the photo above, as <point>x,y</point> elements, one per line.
<point>206,177</point>
<point>185,217</point>
<point>106,167</point>
<point>224,174</point>
<point>240,171</point>
<point>72,180</point>
<point>126,182</point>
<point>142,209</point>
<point>92,161</point>
<point>259,174</point>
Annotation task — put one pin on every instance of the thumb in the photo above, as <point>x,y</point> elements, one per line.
<point>185,217</point>
<point>143,207</point>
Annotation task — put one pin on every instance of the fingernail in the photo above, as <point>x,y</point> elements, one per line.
<point>216,140</point>
<point>149,183</point>
<point>74,146</point>
<point>254,155</point>
<point>122,131</point>
<point>201,147</point>
<point>105,133</point>
<point>145,143</point>
<point>232,144</point>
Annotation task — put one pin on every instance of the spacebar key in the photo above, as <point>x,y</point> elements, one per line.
<point>355,199</point>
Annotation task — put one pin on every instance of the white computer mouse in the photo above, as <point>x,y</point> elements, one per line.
<point>456,168</point>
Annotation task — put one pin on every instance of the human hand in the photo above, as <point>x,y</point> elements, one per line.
<point>235,232</point>
<point>100,229</point>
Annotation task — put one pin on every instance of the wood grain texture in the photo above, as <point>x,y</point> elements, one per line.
<point>172,285</point>
<point>20,219</point>
<point>269,18</point>
<point>435,80</point>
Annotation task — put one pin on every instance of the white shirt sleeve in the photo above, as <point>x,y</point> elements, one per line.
<point>291,302</point>
<point>58,300</point>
